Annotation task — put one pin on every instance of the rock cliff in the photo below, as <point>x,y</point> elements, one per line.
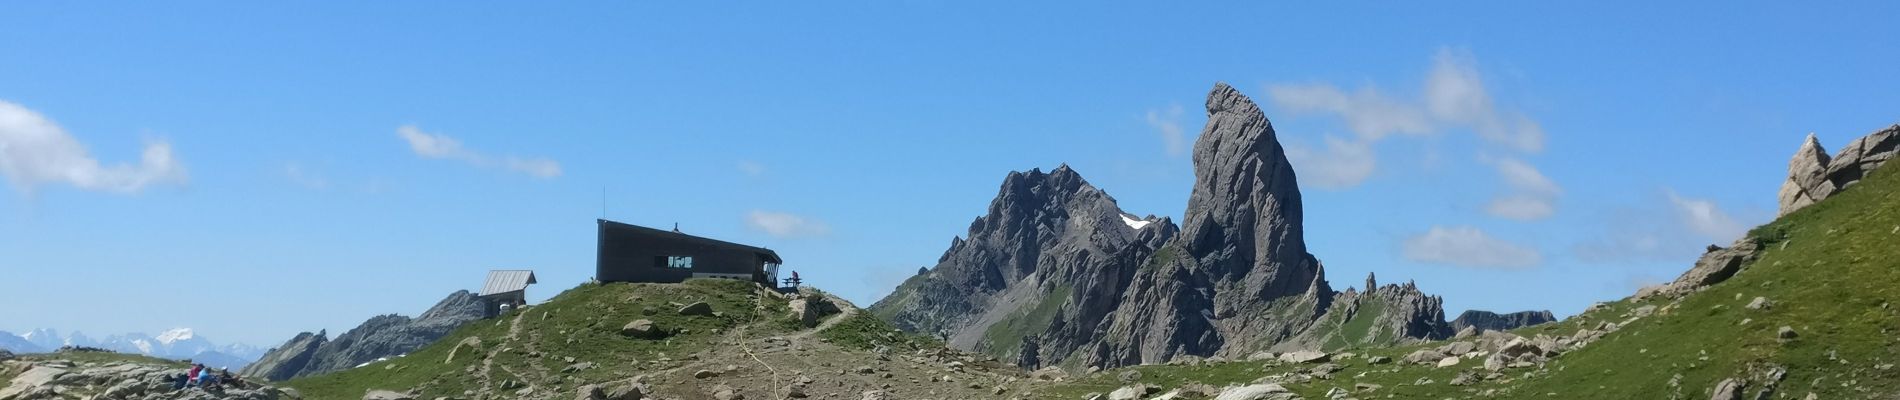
<point>1056,274</point>
<point>1813,176</point>
<point>382,336</point>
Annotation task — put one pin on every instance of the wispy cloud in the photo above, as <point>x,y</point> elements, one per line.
<point>1467,246</point>
<point>440,146</point>
<point>1704,218</point>
<point>1668,228</point>
<point>35,151</point>
<point>786,225</point>
<point>1452,97</point>
<point>1529,194</point>
<point>1344,163</point>
<point>1167,124</point>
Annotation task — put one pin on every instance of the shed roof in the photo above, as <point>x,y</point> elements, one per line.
<point>507,280</point>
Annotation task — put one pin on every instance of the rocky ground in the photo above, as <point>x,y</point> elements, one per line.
<point>104,376</point>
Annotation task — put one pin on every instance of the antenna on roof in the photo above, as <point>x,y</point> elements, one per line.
<point>603,202</point>
<point>676,227</point>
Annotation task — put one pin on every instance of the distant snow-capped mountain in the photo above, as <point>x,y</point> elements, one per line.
<point>181,343</point>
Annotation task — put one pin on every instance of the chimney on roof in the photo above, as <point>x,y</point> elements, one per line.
<point>676,227</point>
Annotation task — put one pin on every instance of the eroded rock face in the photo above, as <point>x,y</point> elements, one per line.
<point>1715,266</point>
<point>1392,314</point>
<point>381,336</point>
<point>1490,321</point>
<point>1047,261</point>
<point>284,362</point>
<point>1813,176</point>
<point>1063,273</point>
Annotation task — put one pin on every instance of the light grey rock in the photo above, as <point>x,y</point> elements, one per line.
<point>1130,392</point>
<point>640,328</point>
<point>1261,391</point>
<point>1807,174</point>
<point>1785,333</point>
<point>1760,303</point>
<point>387,395</point>
<point>1729,389</point>
<point>1304,357</point>
<point>1715,266</point>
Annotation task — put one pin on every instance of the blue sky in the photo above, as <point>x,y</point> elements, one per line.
<point>307,166</point>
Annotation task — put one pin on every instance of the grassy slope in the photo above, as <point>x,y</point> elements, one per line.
<point>584,323</point>
<point>1832,269</point>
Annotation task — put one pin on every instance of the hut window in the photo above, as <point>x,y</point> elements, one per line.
<point>681,262</point>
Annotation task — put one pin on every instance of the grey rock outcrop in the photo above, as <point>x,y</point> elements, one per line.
<point>284,362</point>
<point>1047,261</point>
<point>1238,278</point>
<point>382,336</point>
<point>1715,266</point>
<point>1813,176</point>
<point>1056,268</point>
<point>1490,321</point>
<point>128,380</point>
<point>1392,314</point>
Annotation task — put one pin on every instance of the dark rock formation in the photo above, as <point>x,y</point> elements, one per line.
<point>1056,268</point>
<point>382,336</point>
<point>1490,321</point>
<point>284,362</point>
<point>1383,316</point>
<point>1047,261</point>
<point>1813,176</point>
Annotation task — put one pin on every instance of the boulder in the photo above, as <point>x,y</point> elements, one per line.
<point>1760,303</point>
<point>1049,374</point>
<point>34,379</point>
<point>1729,389</point>
<point>374,394</point>
<point>1448,361</point>
<point>1130,392</point>
<point>1261,391</point>
<point>1785,333</point>
<point>1305,356</point>
<point>1807,177</point>
<point>641,328</point>
<point>1423,356</point>
<point>1715,266</point>
<point>698,308</point>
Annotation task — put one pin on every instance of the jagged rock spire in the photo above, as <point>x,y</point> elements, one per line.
<point>1372,282</point>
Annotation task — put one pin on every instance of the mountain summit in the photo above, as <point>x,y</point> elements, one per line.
<point>1057,274</point>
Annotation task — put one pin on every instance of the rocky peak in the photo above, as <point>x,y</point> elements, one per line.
<point>1813,176</point>
<point>1048,241</point>
<point>381,336</point>
<point>1238,277</point>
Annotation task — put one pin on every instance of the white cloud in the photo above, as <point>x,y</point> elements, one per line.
<point>751,168</point>
<point>1468,247</point>
<point>1529,194</point>
<point>1366,112</point>
<point>439,146</point>
<point>34,151</point>
<point>1343,164</point>
<point>786,225</point>
<point>1168,124</point>
<point>1704,218</point>
<point>1668,228</point>
<point>1455,95</point>
<point>1452,96</point>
